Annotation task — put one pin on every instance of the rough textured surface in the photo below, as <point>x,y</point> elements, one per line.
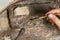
<point>21,11</point>
<point>33,28</point>
<point>4,25</point>
<point>36,30</point>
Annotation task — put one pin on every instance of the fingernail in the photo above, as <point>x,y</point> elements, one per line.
<point>50,16</point>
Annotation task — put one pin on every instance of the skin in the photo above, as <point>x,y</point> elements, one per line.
<point>52,17</point>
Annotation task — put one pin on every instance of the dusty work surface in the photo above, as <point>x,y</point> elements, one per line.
<point>33,29</point>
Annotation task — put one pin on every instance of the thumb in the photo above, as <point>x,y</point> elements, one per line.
<point>54,19</point>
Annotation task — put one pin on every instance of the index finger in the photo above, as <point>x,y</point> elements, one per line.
<point>54,11</point>
<point>55,19</point>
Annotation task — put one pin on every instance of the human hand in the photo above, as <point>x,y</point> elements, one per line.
<point>52,17</point>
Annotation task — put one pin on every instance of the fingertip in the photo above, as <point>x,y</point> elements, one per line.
<point>50,16</point>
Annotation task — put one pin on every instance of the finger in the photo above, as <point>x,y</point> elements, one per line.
<point>52,23</point>
<point>54,11</point>
<point>54,19</point>
<point>58,14</point>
